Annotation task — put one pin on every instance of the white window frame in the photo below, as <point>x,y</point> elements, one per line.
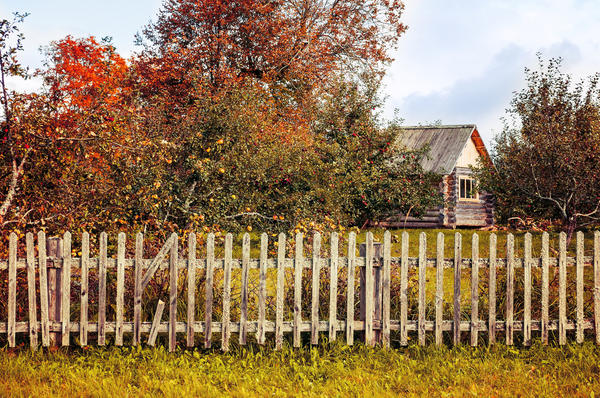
<point>473,184</point>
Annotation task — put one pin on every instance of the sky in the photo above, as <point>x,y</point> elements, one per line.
<point>459,61</point>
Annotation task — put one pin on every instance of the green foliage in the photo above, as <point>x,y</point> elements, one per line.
<point>545,164</point>
<point>328,370</point>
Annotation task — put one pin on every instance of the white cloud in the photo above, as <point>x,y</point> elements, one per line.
<point>461,61</point>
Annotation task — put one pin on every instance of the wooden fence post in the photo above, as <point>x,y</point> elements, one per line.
<point>377,288</point>
<point>54,251</point>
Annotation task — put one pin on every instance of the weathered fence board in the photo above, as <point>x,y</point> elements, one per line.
<point>376,291</point>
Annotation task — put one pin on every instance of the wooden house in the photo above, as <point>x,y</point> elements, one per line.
<point>452,150</point>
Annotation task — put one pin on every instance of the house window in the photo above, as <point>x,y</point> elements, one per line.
<point>467,189</point>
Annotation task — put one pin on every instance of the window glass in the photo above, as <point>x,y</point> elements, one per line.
<point>466,188</point>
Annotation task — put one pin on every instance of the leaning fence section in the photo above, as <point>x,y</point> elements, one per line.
<point>49,266</point>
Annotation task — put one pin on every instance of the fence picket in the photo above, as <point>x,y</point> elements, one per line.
<point>350,292</point>
<point>120,288</point>
<point>66,290</point>
<point>385,316</point>
<point>562,289</point>
<point>226,326</point>
<point>333,282</point>
<point>597,285</point>
<point>191,291</point>
<point>279,291</point>
<point>545,286</point>
<point>422,282</point>
<point>102,263</point>
<point>492,291</point>
<point>43,273</point>
<point>12,289</point>
<point>369,291</point>
<point>85,262</point>
<point>156,323</point>
<point>31,293</point>
<point>404,290</point>
<point>298,265</point>
<point>262,288</point>
<point>579,288</point>
<point>244,287</point>
<point>316,274</point>
<point>474,289</point>
<point>439,289</point>
<point>208,305</point>
<point>510,278</point>
<point>457,276</point>
<point>527,291</point>
<point>137,292</point>
<point>173,259</point>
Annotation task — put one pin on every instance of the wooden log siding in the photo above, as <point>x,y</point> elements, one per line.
<point>93,327</point>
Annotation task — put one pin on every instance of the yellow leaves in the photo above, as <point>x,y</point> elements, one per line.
<point>221,170</point>
<point>234,197</point>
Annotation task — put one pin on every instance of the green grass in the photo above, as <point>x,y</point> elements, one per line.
<point>324,371</point>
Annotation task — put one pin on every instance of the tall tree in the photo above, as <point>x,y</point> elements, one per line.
<point>545,163</point>
<point>15,148</point>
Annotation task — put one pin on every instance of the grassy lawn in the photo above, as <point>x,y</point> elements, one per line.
<point>323,371</point>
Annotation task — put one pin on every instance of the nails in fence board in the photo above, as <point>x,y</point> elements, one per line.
<point>137,292</point>
<point>404,290</point>
<point>120,289</point>
<point>102,289</point>
<point>597,285</point>
<point>562,289</point>
<point>492,290</point>
<point>173,260</point>
<point>43,274</point>
<point>226,326</point>
<point>31,291</point>
<point>368,289</point>
<point>439,289</point>
<point>298,265</point>
<point>210,263</point>
<point>66,290</point>
<point>457,276</point>
<point>579,289</point>
<point>156,323</point>
<point>474,290</point>
<point>510,277</point>
<point>545,285</point>
<point>85,262</point>
<point>527,291</point>
<point>262,288</point>
<point>316,274</point>
<point>333,282</point>
<point>244,289</point>
<point>279,291</point>
<point>350,293</point>
<point>12,289</point>
<point>422,284</point>
<point>386,300</point>
<point>191,290</point>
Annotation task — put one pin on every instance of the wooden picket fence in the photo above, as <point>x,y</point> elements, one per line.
<point>49,275</point>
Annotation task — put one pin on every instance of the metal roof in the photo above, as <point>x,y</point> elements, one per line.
<point>446,143</point>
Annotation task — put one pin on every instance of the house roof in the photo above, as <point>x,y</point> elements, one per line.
<point>446,143</point>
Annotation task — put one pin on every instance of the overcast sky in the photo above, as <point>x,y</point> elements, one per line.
<point>459,62</point>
